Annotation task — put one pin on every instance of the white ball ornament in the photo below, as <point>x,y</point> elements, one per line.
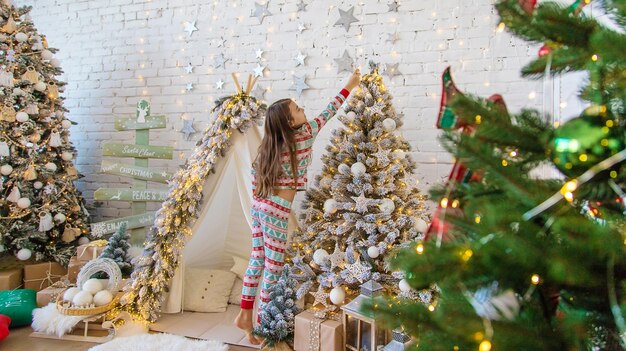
<point>351,116</point>
<point>47,55</point>
<point>404,286</point>
<point>389,124</point>
<point>330,206</point>
<point>387,206</point>
<point>421,225</point>
<point>83,240</point>
<point>337,295</point>
<point>59,218</point>
<point>344,169</point>
<point>38,185</point>
<point>24,254</point>
<point>51,166</point>
<point>92,286</point>
<point>6,169</point>
<point>320,256</point>
<point>21,37</point>
<point>102,298</point>
<point>82,299</point>
<point>23,202</point>
<point>40,86</point>
<point>66,124</point>
<point>358,169</point>
<point>373,252</point>
<point>21,116</point>
<point>70,293</point>
<point>67,156</point>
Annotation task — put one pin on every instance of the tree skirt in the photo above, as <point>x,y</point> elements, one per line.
<point>159,342</point>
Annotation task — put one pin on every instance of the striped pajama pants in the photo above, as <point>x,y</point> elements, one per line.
<point>269,240</point>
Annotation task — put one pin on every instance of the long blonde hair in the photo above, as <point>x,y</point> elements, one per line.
<point>278,133</point>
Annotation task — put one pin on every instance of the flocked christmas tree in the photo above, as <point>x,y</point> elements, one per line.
<point>278,315</point>
<point>117,250</point>
<point>365,202</point>
<point>41,211</point>
<point>531,263</point>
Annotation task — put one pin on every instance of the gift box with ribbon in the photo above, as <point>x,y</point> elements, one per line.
<point>73,268</point>
<point>90,251</point>
<point>42,275</point>
<point>50,293</point>
<point>315,334</point>
<point>10,279</point>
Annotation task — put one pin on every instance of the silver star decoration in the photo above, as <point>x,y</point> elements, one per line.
<point>392,70</point>
<point>187,128</point>
<point>301,27</point>
<point>320,296</point>
<point>259,92</point>
<point>346,18</point>
<point>299,84</point>
<point>302,6</point>
<point>361,203</point>
<point>393,6</point>
<point>189,68</point>
<point>382,156</point>
<point>219,61</point>
<point>219,84</point>
<point>300,59</point>
<point>357,270</point>
<point>189,87</point>
<point>392,38</point>
<point>190,27</point>
<point>258,70</point>
<point>260,11</point>
<point>259,54</point>
<point>337,258</point>
<point>345,62</point>
<point>221,42</point>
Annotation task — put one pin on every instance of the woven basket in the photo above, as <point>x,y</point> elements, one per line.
<point>76,311</point>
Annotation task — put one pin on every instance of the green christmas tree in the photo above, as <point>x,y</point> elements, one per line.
<point>365,203</point>
<point>278,315</point>
<point>528,263</point>
<point>41,211</point>
<point>117,250</point>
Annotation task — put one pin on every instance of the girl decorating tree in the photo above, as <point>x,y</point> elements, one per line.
<point>286,147</point>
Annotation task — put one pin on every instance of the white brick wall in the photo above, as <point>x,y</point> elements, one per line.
<point>115,52</point>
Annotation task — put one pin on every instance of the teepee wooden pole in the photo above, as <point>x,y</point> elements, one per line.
<point>248,84</point>
<point>236,82</point>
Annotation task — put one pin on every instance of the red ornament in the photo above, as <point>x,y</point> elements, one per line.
<point>4,326</point>
<point>545,49</point>
<point>528,5</point>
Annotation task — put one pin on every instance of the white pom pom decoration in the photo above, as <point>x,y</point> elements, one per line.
<point>40,86</point>
<point>82,299</point>
<point>330,206</point>
<point>38,185</point>
<point>66,124</point>
<point>21,37</point>
<point>373,252</point>
<point>24,254</point>
<point>320,256</point>
<point>6,169</point>
<point>344,169</point>
<point>83,240</point>
<point>337,295</point>
<point>102,298</point>
<point>389,124</point>
<point>351,116</point>
<point>67,156</point>
<point>387,206</point>
<point>23,202</point>
<point>47,55</point>
<point>70,293</point>
<point>358,169</point>
<point>21,116</point>
<point>51,167</point>
<point>404,286</point>
<point>59,218</point>
<point>421,225</point>
<point>92,286</point>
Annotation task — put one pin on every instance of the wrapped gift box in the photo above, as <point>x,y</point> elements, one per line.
<point>327,337</point>
<point>10,279</point>
<point>49,294</point>
<point>91,251</point>
<point>42,275</point>
<point>73,268</point>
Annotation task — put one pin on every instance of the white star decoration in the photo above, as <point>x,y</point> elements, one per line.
<point>337,258</point>
<point>361,202</point>
<point>299,84</point>
<point>190,27</point>
<point>392,38</point>
<point>394,6</point>
<point>356,270</point>
<point>259,54</point>
<point>346,18</point>
<point>258,71</point>
<point>382,156</point>
<point>219,84</point>
<point>302,6</point>
<point>189,87</point>
<point>392,70</point>
<point>344,63</point>
<point>259,92</point>
<point>189,68</point>
<point>300,59</point>
<point>320,296</point>
<point>219,61</point>
<point>187,128</point>
<point>221,41</point>
<point>301,27</point>
<point>260,11</point>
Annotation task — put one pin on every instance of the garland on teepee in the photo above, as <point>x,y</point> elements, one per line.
<point>172,227</point>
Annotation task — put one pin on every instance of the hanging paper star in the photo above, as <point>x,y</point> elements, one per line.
<point>221,42</point>
<point>259,54</point>
<point>300,59</point>
<point>259,92</point>
<point>260,11</point>
<point>320,296</point>
<point>345,62</point>
<point>187,128</point>
<point>299,84</point>
<point>302,6</point>
<point>361,202</point>
<point>357,271</point>
<point>258,71</point>
<point>392,38</point>
<point>337,258</point>
<point>190,27</point>
<point>392,70</point>
<point>346,18</point>
<point>393,6</point>
<point>301,27</point>
<point>382,156</point>
<point>189,87</point>
<point>189,68</point>
<point>219,84</point>
<point>219,61</point>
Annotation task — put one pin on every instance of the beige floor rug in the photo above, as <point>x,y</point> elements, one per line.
<point>159,342</point>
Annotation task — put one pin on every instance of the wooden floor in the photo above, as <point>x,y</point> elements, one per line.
<point>19,340</point>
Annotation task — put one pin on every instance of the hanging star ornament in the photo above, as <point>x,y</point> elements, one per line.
<point>382,156</point>
<point>258,70</point>
<point>221,42</point>
<point>392,38</point>
<point>219,61</point>
<point>189,87</point>
<point>190,27</point>
<point>260,11</point>
<point>259,54</point>
<point>346,18</point>
<point>189,68</point>
<point>357,271</point>
<point>392,70</point>
<point>302,6</point>
<point>301,27</point>
<point>337,258</point>
<point>345,62</point>
<point>259,92</point>
<point>360,203</point>
<point>187,128</point>
<point>299,84</point>
<point>320,296</point>
<point>377,108</point>
<point>393,7</point>
<point>219,84</point>
<point>300,59</point>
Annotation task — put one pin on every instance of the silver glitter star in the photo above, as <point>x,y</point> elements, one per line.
<point>301,27</point>
<point>345,62</point>
<point>219,61</point>
<point>189,68</point>
<point>361,202</point>
<point>382,156</point>
<point>189,87</point>
<point>258,70</point>
<point>190,27</point>
<point>219,84</point>
<point>346,18</point>
<point>260,11</point>
<point>392,38</point>
<point>300,59</point>
<point>320,296</point>
<point>357,271</point>
<point>302,6</point>
<point>259,54</point>
<point>299,84</point>
<point>393,6</point>
<point>337,258</point>
<point>187,128</point>
<point>392,70</point>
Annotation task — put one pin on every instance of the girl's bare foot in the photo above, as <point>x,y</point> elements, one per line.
<point>244,322</point>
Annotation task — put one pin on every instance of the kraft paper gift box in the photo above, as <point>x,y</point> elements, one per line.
<point>312,333</point>
<point>73,268</point>
<point>11,279</point>
<point>42,275</point>
<point>49,294</point>
<point>90,251</point>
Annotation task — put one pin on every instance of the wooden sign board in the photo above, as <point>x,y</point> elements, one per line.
<point>131,123</point>
<point>132,222</point>
<point>138,151</point>
<point>135,172</point>
<point>121,194</point>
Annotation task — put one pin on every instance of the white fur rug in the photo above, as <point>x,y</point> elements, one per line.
<point>159,342</point>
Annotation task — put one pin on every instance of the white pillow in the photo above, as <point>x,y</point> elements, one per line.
<point>240,266</point>
<point>207,290</point>
<point>235,294</point>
